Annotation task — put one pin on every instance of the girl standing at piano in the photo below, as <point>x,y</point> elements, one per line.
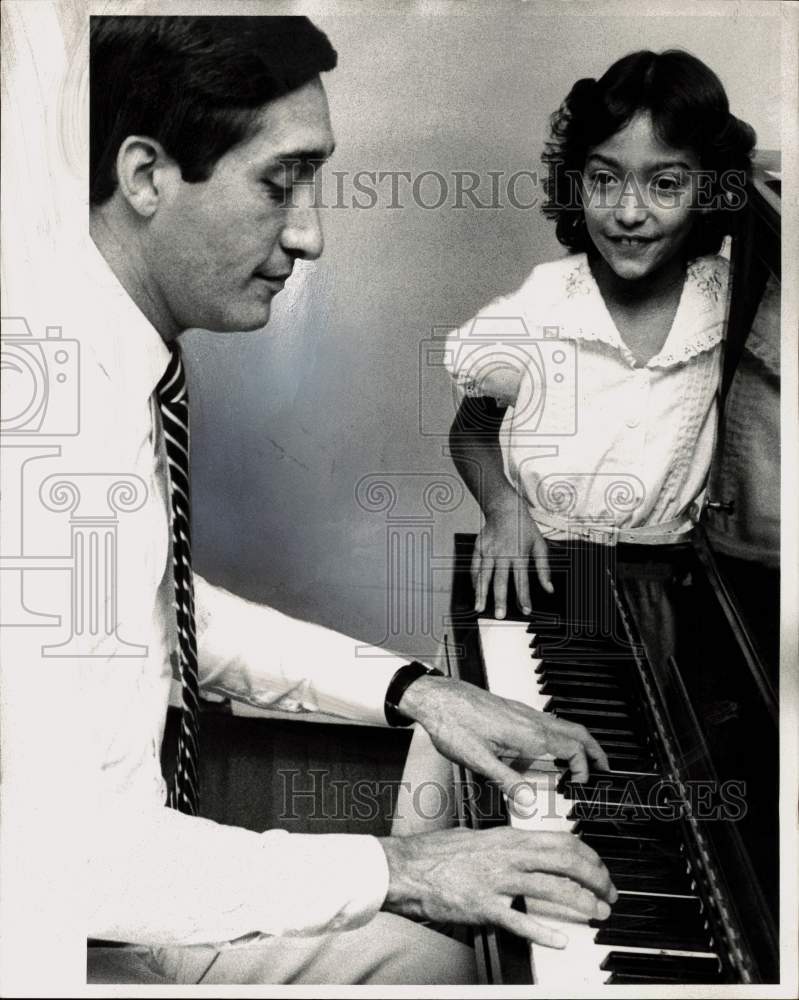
<point>603,368</point>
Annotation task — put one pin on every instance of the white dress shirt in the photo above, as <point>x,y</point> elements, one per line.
<point>594,437</point>
<point>156,876</point>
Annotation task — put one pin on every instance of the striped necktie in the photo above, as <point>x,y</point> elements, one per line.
<point>173,399</point>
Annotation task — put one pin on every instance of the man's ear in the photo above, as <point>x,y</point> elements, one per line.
<point>143,173</point>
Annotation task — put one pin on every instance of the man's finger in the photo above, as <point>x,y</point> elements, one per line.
<point>563,737</point>
<point>597,755</point>
<point>559,892</point>
<point>485,762</point>
<point>524,926</point>
<point>578,763</point>
<point>522,581</point>
<point>572,863</point>
<point>557,911</point>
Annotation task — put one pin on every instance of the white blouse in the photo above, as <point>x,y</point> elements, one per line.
<point>592,438</point>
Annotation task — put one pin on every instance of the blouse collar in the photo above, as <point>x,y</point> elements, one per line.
<point>698,323</point>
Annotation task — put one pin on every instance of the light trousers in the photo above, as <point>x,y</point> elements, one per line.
<point>389,950</point>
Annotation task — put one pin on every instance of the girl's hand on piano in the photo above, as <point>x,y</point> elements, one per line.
<point>504,546</point>
<point>478,729</point>
<point>470,877</point>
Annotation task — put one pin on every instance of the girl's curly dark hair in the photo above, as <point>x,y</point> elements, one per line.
<point>689,110</point>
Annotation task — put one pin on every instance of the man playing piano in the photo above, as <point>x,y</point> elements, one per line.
<point>205,135</point>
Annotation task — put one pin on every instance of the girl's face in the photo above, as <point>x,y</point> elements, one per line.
<point>638,198</point>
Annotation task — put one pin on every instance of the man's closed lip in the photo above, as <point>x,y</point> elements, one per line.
<point>276,281</point>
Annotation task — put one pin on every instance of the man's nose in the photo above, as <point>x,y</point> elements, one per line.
<point>302,235</point>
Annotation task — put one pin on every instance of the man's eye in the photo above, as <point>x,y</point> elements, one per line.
<point>278,192</point>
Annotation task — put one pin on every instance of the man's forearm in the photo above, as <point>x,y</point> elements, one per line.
<point>257,655</point>
<point>159,877</point>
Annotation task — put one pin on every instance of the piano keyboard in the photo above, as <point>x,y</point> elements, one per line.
<point>656,932</point>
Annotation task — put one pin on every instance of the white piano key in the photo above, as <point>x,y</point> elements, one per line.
<point>510,667</point>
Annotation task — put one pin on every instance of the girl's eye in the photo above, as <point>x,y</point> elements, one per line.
<point>667,182</point>
<point>601,177</point>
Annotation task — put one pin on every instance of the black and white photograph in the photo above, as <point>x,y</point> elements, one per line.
<point>399,557</point>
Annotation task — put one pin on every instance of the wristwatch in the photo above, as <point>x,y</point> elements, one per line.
<point>399,684</point>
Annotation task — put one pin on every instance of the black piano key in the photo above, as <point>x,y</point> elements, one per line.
<point>584,673</point>
<point>560,706</point>
<point>608,846</point>
<point>622,746</point>
<point>645,867</point>
<point>599,810</point>
<point>648,979</point>
<point>583,687</point>
<point>561,661</point>
<point>684,968</point>
<point>643,764</point>
<point>582,652</point>
<point>575,681</point>
<point>635,906</point>
<point>603,786</point>
<point>584,660</point>
<point>571,633</point>
<point>621,734</point>
<point>644,831</point>
<point>661,881</point>
<point>541,620</point>
<point>585,697</point>
<point>575,639</point>
<point>676,940</point>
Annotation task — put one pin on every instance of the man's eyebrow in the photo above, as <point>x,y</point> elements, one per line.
<point>300,164</point>
<point>652,167</point>
<point>305,155</point>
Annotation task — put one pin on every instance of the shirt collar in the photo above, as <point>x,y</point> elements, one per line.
<point>123,341</point>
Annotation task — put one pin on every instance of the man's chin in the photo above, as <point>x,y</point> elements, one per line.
<point>240,321</point>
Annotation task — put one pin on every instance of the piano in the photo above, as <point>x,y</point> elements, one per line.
<point>668,655</point>
<point>644,646</point>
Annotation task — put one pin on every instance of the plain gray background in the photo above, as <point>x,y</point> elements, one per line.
<point>286,422</point>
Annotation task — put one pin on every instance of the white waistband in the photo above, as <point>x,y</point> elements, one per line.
<point>665,533</point>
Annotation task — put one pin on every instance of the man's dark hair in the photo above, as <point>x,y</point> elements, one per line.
<point>689,110</point>
<point>195,84</point>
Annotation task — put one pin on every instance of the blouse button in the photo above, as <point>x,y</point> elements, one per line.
<point>632,422</point>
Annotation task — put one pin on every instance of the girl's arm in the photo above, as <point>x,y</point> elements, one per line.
<point>509,534</point>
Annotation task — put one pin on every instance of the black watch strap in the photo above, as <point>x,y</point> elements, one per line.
<point>399,684</point>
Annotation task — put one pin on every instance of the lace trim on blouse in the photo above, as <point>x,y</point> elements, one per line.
<point>698,324</point>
